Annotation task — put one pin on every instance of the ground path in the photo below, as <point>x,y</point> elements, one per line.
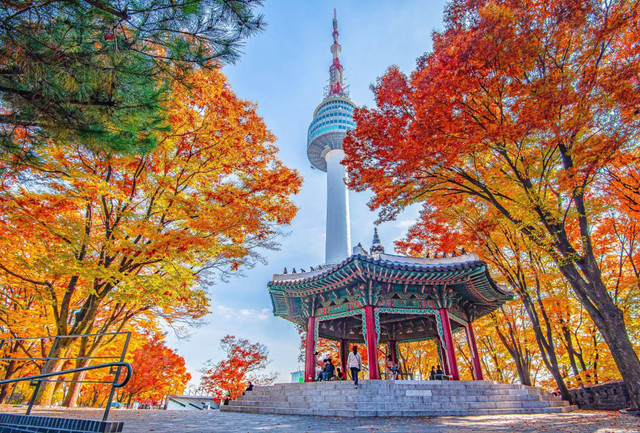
<point>145,421</point>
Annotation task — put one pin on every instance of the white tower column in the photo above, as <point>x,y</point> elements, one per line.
<point>338,242</point>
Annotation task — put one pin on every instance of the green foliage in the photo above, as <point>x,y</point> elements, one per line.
<point>97,72</point>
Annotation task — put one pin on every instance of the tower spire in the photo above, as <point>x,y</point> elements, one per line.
<point>336,85</point>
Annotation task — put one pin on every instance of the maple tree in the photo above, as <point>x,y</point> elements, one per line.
<point>99,72</point>
<point>520,109</point>
<point>105,237</point>
<point>545,328</point>
<point>230,377</point>
<point>418,357</point>
<point>157,371</point>
<point>545,314</point>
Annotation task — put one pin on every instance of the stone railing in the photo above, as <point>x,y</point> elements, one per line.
<point>606,396</point>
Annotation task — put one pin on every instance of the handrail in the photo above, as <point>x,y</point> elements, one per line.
<point>77,370</point>
<point>37,380</point>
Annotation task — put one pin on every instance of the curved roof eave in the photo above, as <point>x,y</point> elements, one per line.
<point>442,271</point>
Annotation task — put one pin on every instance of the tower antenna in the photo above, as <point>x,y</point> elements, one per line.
<point>336,84</point>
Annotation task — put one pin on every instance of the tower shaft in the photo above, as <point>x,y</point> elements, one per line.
<point>338,240</point>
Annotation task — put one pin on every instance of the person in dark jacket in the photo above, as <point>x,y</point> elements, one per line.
<point>329,370</point>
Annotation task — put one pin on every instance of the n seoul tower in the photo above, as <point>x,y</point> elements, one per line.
<point>331,121</point>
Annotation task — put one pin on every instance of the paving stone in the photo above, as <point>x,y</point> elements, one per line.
<point>158,421</point>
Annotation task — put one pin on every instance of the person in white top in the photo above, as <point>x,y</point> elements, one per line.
<point>354,363</point>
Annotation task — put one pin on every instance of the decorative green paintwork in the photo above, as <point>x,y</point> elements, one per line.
<point>376,314</point>
<point>462,286</point>
<point>416,311</point>
<point>335,309</point>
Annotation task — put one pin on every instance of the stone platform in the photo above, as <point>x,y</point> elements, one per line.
<point>406,398</point>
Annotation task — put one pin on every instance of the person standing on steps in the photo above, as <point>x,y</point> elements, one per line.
<point>354,363</point>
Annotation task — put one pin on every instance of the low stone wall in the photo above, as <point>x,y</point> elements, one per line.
<point>606,396</point>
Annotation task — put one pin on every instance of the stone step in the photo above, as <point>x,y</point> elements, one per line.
<point>402,392</point>
<point>408,396</point>
<point>330,387</point>
<point>397,385</point>
<point>395,412</point>
<point>404,405</point>
<point>405,398</point>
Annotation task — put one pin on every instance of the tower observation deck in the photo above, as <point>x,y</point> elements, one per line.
<point>331,121</point>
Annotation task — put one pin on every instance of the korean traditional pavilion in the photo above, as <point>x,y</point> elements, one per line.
<point>377,298</point>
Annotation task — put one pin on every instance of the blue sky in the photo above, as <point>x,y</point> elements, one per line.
<point>284,70</point>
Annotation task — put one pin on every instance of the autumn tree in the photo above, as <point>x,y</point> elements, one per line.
<point>99,72</point>
<point>157,371</point>
<point>112,319</point>
<point>139,231</point>
<point>243,363</point>
<point>21,316</point>
<point>417,358</point>
<point>545,313</point>
<point>522,106</point>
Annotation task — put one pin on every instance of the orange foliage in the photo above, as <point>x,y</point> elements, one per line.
<point>157,371</point>
<point>525,114</point>
<point>99,239</point>
<point>230,377</point>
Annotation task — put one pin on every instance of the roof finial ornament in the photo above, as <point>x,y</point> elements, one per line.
<point>376,245</point>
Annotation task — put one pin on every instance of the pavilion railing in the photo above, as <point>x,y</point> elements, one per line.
<point>114,362</point>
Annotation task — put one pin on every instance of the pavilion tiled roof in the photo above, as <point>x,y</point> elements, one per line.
<point>466,274</point>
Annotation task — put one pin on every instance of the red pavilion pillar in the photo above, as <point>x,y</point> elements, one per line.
<point>372,342</point>
<point>393,351</point>
<point>475,356</point>
<point>310,357</point>
<point>448,342</point>
<point>344,354</point>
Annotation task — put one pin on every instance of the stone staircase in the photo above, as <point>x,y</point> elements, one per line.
<point>398,398</point>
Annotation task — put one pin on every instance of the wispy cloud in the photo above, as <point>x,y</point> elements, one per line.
<point>239,314</point>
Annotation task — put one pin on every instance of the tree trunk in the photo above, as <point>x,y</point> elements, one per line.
<point>71,399</point>
<point>570,349</point>
<point>546,345</point>
<point>521,366</point>
<point>84,355</point>
<point>609,320</point>
<point>4,390</point>
<point>94,398</point>
<point>45,394</point>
